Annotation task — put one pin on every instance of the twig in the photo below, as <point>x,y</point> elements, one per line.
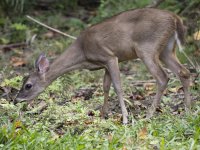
<point>50,28</point>
<point>140,83</point>
<point>15,45</point>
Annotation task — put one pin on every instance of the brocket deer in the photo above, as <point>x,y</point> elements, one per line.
<point>149,34</point>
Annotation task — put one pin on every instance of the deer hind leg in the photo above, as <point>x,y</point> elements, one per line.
<point>168,56</point>
<point>153,65</point>
<point>106,89</point>
<point>113,68</point>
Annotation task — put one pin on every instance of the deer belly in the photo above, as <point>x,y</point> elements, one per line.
<point>124,55</point>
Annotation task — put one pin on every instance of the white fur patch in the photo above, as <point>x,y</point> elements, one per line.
<point>180,47</point>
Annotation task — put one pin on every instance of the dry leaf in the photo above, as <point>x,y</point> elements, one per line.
<point>138,103</point>
<point>87,122</point>
<point>150,93</point>
<point>117,118</point>
<point>110,137</point>
<point>149,86</point>
<point>49,34</point>
<point>196,54</point>
<point>18,124</point>
<point>174,89</point>
<point>196,35</point>
<point>143,133</point>
<point>139,97</point>
<point>17,61</point>
<point>124,148</point>
<point>136,96</point>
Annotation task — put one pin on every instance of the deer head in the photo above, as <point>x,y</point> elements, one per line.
<point>35,83</point>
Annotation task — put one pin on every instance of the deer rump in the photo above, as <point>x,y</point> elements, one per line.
<point>132,34</point>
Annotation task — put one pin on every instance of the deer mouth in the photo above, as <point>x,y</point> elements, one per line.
<point>18,100</point>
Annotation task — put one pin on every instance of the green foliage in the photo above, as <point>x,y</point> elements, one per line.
<point>13,82</point>
<point>75,23</point>
<point>19,27</point>
<point>19,31</point>
<point>66,4</point>
<point>14,6</point>
<point>111,7</point>
<point>18,7</point>
<point>172,5</point>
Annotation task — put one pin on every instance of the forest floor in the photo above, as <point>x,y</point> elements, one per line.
<point>67,114</point>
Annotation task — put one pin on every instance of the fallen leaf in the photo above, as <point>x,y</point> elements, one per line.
<point>143,133</point>
<point>139,104</point>
<point>110,137</point>
<point>117,118</point>
<point>196,35</point>
<point>71,123</point>
<point>18,124</point>
<point>124,148</point>
<point>137,96</point>
<point>159,109</point>
<point>149,86</point>
<point>85,92</point>
<point>87,122</point>
<point>174,89</point>
<point>150,93</point>
<point>17,61</point>
<point>49,34</point>
<point>196,54</point>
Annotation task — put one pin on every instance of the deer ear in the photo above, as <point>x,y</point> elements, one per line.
<point>42,64</point>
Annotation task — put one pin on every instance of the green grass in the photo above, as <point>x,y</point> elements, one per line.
<point>165,131</point>
<point>68,126</point>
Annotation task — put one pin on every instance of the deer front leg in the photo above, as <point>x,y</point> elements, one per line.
<point>106,89</point>
<point>113,69</point>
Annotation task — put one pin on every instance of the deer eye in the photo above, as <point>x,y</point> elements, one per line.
<point>28,86</point>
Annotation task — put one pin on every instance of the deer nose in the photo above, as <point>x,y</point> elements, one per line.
<point>17,100</point>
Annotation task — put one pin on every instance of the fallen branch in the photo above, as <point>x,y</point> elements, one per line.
<point>15,45</point>
<point>50,28</point>
<point>141,83</point>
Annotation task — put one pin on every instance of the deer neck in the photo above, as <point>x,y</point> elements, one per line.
<point>70,60</point>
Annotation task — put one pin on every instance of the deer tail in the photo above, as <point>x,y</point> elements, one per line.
<point>180,34</point>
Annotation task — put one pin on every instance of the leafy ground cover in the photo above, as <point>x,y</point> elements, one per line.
<point>67,114</point>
